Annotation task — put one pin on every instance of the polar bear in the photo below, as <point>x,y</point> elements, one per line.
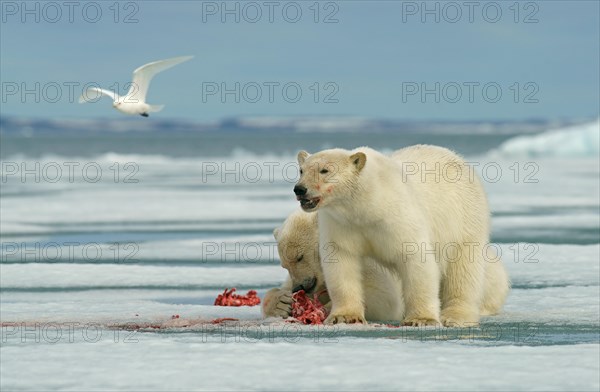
<point>422,213</point>
<point>298,247</point>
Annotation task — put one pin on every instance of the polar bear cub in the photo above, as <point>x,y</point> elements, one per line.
<point>421,213</point>
<point>298,247</point>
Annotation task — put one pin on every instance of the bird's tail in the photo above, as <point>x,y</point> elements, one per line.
<point>156,108</point>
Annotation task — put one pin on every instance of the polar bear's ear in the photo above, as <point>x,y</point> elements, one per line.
<point>359,160</point>
<point>302,155</point>
<point>276,233</point>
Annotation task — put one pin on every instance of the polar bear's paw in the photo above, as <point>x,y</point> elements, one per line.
<point>459,318</point>
<point>277,303</point>
<point>420,322</point>
<point>345,317</point>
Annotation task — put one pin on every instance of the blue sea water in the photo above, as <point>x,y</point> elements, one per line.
<point>120,228</point>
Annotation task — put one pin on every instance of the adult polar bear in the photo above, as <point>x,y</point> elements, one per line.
<point>422,213</point>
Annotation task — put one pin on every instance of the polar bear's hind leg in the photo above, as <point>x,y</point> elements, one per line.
<point>462,288</point>
<point>496,287</point>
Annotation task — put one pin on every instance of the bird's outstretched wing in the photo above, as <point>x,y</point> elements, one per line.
<point>144,74</point>
<point>91,94</point>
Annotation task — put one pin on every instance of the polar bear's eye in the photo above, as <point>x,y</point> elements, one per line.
<point>301,171</point>
<point>300,258</point>
<point>324,171</point>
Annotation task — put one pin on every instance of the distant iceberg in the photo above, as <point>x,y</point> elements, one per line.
<point>575,141</point>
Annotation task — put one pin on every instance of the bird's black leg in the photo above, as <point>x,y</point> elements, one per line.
<point>144,114</point>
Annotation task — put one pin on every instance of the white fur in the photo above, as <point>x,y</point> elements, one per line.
<point>389,209</point>
<point>299,235</point>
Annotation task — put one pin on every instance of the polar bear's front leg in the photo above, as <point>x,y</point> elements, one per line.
<point>343,277</point>
<point>420,285</point>
<point>278,301</point>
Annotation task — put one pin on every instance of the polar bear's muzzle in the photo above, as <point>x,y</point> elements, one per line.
<point>307,203</point>
<point>307,285</point>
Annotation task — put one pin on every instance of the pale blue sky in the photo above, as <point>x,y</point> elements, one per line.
<point>368,55</point>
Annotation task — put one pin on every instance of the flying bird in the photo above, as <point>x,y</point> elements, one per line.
<point>134,102</point>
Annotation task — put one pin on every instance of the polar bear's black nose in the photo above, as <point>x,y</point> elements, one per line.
<point>299,190</point>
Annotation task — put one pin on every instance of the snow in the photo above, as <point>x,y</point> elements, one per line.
<point>187,362</point>
<point>576,141</point>
<point>65,276</point>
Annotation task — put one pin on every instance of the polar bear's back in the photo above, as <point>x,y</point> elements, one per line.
<point>449,189</point>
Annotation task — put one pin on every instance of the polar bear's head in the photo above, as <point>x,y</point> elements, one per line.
<point>326,174</point>
<point>298,247</point>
